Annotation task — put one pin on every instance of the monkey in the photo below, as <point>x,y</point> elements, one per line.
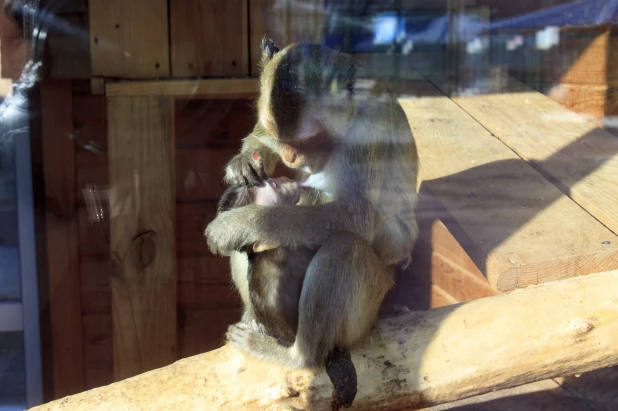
<point>353,144</point>
<point>274,274</point>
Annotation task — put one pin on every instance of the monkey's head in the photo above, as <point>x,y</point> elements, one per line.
<point>272,192</point>
<point>306,100</point>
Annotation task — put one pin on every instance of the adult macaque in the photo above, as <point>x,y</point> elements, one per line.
<point>355,146</point>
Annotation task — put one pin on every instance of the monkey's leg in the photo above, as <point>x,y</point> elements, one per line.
<point>344,286</point>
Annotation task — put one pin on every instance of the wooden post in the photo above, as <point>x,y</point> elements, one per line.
<point>416,360</point>
<point>142,233</point>
<point>61,237</point>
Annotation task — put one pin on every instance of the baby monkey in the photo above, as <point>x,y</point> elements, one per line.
<point>275,276</point>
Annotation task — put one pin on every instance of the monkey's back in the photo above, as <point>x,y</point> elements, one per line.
<point>275,281</point>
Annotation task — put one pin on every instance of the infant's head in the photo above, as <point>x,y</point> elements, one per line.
<point>271,192</point>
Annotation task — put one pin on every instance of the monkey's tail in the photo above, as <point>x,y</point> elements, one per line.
<point>342,374</point>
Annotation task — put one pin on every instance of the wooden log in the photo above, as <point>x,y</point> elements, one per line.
<point>412,361</point>
<point>508,218</point>
<point>142,242</point>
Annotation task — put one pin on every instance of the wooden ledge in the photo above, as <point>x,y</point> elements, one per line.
<point>212,89</point>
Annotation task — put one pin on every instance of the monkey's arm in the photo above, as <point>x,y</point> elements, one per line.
<point>242,169</point>
<point>286,226</point>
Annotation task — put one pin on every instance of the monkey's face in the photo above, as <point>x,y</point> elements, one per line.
<point>277,191</point>
<point>306,102</point>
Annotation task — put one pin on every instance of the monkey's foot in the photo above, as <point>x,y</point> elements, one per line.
<point>341,371</point>
<point>248,336</point>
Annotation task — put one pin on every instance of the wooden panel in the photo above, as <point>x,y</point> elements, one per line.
<point>589,101</point>
<point>578,157</point>
<point>212,123</point>
<point>209,38</point>
<point>129,39</point>
<point>203,330</point>
<point>512,217</point>
<point>90,118</point>
<point>67,54</point>
<point>61,238</point>
<point>286,22</point>
<point>191,221</point>
<point>199,173</point>
<point>221,88</point>
<point>204,270</point>
<point>142,234</point>
<point>98,350</point>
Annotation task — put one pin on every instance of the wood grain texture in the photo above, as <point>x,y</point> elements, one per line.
<point>285,22</point>
<point>209,38</point>
<point>142,233</point>
<point>512,219</point>
<point>220,88</point>
<point>62,237</point>
<point>412,361</point>
<point>129,39</point>
<point>220,123</point>
<point>577,156</point>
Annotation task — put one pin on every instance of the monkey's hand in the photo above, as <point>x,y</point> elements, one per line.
<point>245,169</point>
<point>234,229</point>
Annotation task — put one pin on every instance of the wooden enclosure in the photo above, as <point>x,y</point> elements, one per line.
<point>144,107</point>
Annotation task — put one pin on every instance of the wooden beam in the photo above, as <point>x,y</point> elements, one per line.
<point>142,242</point>
<point>517,227</point>
<point>129,39</point>
<point>58,149</point>
<point>223,89</point>
<point>209,38</point>
<point>577,156</point>
<point>411,361</point>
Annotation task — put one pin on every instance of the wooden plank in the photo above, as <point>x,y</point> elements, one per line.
<point>578,157</point>
<point>200,331</point>
<point>191,221</point>
<point>285,22</point>
<point>98,350</point>
<point>129,39</point>
<point>589,101</point>
<point>518,228</point>
<point>90,118</point>
<point>141,155</point>
<point>67,53</point>
<point>204,270</point>
<point>61,238</point>
<point>199,173</point>
<point>220,88</point>
<point>209,38</point>
<point>200,123</point>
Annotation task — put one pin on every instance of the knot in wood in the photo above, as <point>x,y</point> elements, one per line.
<point>143,249</point>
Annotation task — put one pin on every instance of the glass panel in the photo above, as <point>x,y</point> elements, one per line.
<point>10,287</point>
<point>12,371</point>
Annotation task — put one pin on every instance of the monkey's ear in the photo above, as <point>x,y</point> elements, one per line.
<point>269,49</point>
